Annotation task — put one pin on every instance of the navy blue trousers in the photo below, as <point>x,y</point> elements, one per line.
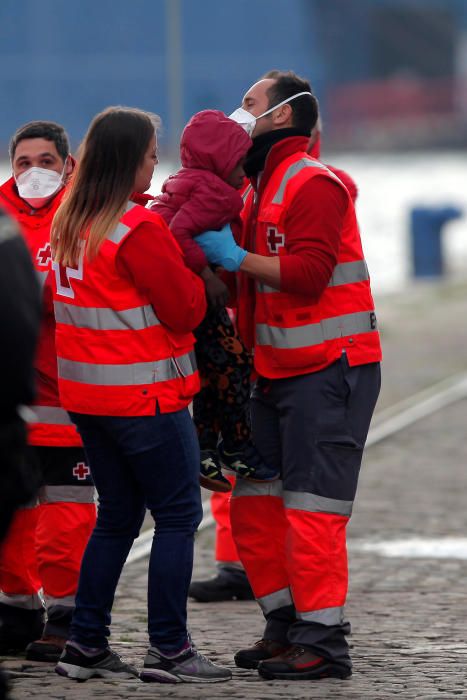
<point>313,428</point>
<point>137,463</point>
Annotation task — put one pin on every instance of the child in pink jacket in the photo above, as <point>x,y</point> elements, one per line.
<point>205,195</point>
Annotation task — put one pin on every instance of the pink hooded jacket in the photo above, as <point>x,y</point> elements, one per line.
<point>197,198</point>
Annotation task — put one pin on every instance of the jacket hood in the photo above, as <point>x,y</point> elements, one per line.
<point>211,141</point>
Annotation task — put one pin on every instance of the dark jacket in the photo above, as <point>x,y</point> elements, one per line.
<point>197,198</point>
<point>20,312</point>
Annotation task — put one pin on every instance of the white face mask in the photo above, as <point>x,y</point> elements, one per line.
<point>38,185</point>
<point>248,120</point>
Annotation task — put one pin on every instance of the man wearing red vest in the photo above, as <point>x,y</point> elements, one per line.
<point>306,310</point>
<point>41,556</point>
<point>230,581</point>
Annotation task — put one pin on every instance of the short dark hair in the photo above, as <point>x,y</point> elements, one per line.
<point>304,108</point>
<point>42,130</point>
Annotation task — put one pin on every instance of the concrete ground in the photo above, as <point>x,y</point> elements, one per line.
<point>408,613</point>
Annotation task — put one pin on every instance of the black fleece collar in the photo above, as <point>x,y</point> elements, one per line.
<point>262,144</point>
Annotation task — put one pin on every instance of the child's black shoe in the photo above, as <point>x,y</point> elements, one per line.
<point>246,462</point>
<point>211,476</point>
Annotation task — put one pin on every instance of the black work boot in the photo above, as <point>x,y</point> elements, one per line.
<point>48,648</point>
<point>299,663</point>
<point>229,584</point>
<point>19,627</point>
<point>261,651</point>
<point>56,632</point>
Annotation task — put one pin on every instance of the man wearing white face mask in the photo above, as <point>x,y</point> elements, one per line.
<point>45,543</point>
<point>306,311</point>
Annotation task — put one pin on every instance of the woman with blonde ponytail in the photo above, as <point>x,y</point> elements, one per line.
<point>125,305</point>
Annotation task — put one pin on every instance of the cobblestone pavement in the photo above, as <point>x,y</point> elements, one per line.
<point>409,635</point>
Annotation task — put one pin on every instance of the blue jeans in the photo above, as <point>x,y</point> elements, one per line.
<point>137,463</point>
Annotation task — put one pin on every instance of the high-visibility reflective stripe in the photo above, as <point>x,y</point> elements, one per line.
<point>344,273</point>
<point>298,500</point>
<point>316,333</point>
<point>27,602</point>
<point>349,272</point>
<point>243,487</point>
<point>26,413</point>
<point>119,232</point>
<point>41,276</point>
<point>127,375</point>
<point>246,193</point>
<point>65,602</point>
<point>326,616</point>
<point>266,289</point>
<point>186,364</point>
<point>292,499</point>
<point>50,415</point>
<point>66,494</point>
<point>291,171</point>
<point>275,600</point>
<point>103,319</point>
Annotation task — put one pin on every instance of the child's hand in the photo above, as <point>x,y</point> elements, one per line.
<point>217,292</point>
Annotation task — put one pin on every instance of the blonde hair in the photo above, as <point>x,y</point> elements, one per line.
<point>108,159</point>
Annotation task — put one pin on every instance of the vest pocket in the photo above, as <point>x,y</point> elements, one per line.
<point>337,467</point>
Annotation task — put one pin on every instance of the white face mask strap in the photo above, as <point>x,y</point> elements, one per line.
<point>284,102</point>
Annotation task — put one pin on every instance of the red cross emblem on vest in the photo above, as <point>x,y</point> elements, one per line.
<point>81,471</point>
<point>44,255</point>
<point>274,239</point>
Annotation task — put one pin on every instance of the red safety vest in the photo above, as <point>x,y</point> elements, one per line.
<point>293,333</point>
<point>114,356</point>
<point>49,425</point>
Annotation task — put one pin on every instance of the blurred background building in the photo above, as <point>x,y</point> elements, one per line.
<point>389,73</point>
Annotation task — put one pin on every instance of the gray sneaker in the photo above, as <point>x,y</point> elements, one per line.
<point>77,664</point>
<point>189,667</point>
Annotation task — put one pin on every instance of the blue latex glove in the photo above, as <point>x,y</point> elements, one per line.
<point>220,248</point>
